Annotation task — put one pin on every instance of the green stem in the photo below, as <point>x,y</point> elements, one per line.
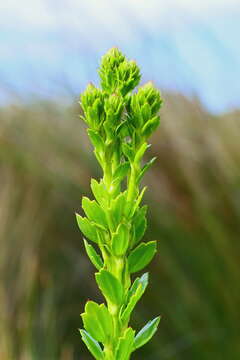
<point>108,352</point>
<point>117,270</point>
<point>132,184</point>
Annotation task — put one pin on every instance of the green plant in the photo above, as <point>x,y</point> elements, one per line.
<point>120,122</point>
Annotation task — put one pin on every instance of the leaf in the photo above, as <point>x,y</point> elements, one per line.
<point>96,141</point>
<point>110,286</point>
<point>138,201</point>
<point>123,129</point>
<point>99,158</point>
<point>142,280</point>
<point>117,207</point>
<point>93,256</point>
<point>131,207</point>
<point>88,229</point>
<point>134,286</point>
<point>146,333</point>
<point>139,224</point>
<point>128,151</point>
<point>136,111</point>
<point>97,321</point>
<point>145,168</point>
<point>146,111</point>
<point>141,256</point>
<point>121,171</point>
<point>97,107</point>
<point>125,345</point>
<point>136,293</point>
<point>92,345</point>
<point>120,240</point>
<point>109,128</point>
<point>100,192</point>
<point>90,116</point>
<point>141,152</point>
<point>150,126</point>
<point>94,212</point>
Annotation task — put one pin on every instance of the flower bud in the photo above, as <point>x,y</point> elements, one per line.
<point>118,75</point>
<point>113,108</point>
<point>144,105</point>
<point>92,103</point>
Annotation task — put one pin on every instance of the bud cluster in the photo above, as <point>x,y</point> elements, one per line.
<point>118,75</point>
<point>92,102</point>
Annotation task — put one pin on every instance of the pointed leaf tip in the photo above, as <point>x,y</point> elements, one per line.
<point>141,256</point>
<point>92,345</point>
<point>110,286</point>
<point>93,255</point>
<point>146,333</point>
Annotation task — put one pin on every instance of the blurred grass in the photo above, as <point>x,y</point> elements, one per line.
<point>46,164</point>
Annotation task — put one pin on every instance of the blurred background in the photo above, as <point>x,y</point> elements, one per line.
<point>49,51</point>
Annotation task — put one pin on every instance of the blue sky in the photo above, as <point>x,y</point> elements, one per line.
<point>52,48</point>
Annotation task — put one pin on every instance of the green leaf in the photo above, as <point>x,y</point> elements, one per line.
<point>128,151</point>
<point>94,212</point>
<point>135,293</point>
<point>139,224</point>
<point>146,333</point>
<point>141,256</point>
<point>138,201</point>
<point>120,240</point>
<point>109,128</point>
<point>92,345</point>
<point>145,168</point>
<point>117,207</point>
<point>97,109</point>
<point>125,345</point>
<point>143,280</point>
<point>150,126</point>
<point>146,112</point>
<point>93,256</point>
<point>135,110</point>
<point>88,229</point>
<point>110,286</point>
<point>109,150</point>
<point>96,141</point>
<point>131,304</point>
<point>100,192</point>
<point>97,321</point>
<point>121,171</point>
<point>141,152</point>
<point>123,129</point>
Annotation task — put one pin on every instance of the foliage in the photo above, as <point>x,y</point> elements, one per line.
<point>119,125</point>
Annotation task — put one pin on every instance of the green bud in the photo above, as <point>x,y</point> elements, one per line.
<point>151,96</point>
<point>118,75</point>
<point>113,107</point>
<point>143,106</point>
<point>92,103</point>
<point>129,76</point>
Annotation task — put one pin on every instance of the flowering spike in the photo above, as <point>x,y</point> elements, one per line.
<point>120,124</point>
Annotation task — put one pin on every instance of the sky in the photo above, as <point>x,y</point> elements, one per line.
<point>51,49</point>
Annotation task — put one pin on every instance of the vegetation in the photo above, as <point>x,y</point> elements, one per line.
<point>194,213</point>
<point>119,125</point>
